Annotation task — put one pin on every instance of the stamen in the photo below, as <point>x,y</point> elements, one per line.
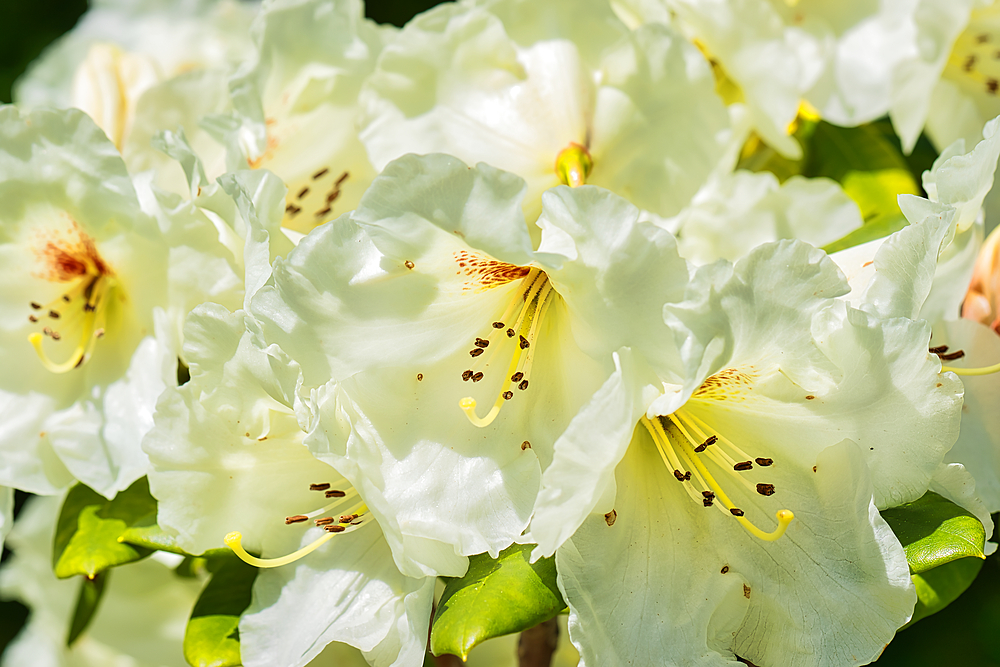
<point>319,487</point>
<point>686,447</point>
<point>537,301</point>
<point>93,290</point>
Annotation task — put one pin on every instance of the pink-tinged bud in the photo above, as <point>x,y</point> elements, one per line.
<point>982,301</point>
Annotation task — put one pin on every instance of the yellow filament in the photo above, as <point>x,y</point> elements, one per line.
<point>784,516</point>
<point>235,542</point>
<point>573,165</point>
<point>537,297</point>
<point>88,339</point>
<point>985,370</point>
<point>669,461</point>
<point>712,452</point>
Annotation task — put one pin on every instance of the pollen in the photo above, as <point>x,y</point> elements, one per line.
<point>69,257</point>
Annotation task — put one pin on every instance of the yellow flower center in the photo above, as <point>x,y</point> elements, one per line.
<point>79,314</point>
<point>975,57</point>
<point>516,331</point>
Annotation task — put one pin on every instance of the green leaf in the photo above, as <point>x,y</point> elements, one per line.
<point>145,533</point>
<point>873,172</point>
<point>494,598</point>
<point>938,588</point>
<point>935,531</point>
<point>212,637</point>
<point>90,526</point>
<point>91,591</point>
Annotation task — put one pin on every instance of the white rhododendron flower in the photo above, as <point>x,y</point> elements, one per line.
<point>736,212</point>
<point>140,67</point>
<point>92,283</point>
<point>557,91</point>
<point>759,478</point>
<point>459,352</point>
<point>923,272</point>
<point>228,463</point>
<point>139,622</point>
<point>296,103</point>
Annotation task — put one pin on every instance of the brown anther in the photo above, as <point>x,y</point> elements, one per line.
<point>89,307</point>
<point>736,511</point>
<point>525,445</point>
<point>743,466</point>
<point>36,306</point>
<point>969,63</point>
<point>611,517</point>
<point>320,214</point>
<point>321,173</point>
<point>725,569</point>
<point>332,197</point>
<point>498,325</point>
<point>992,85</point>
<point>764,462</point>
<point>482,342</point>
<point>466,376</point>
<point>47,331</point>
<point>510,333</point>
<point>508,395</point>
<point>408,264</point>
<point>65,297</point>
<point>524,343</point>
<point>343,177</point>
<point>334,493</point>
<point>712,439</point>
<point>325,521</point>
<point>56,335</point>
<point>517,377</point>
<point>347,518</point>
<point>335,529</point>
<point>420,377</point>
<point>319,487</point>
<point>32,318</point>
<point>54,314</point>
<point>940,349</point>
<point>298,518</point>
<point>707,502</point>
<point>477,377</point>
<point>952,356</point>
<point>476,352</point>
<point>765,489</point>
<point>99,333</point>
<point>679,476</point>
<point>303,192</point>
<point>523,385</point>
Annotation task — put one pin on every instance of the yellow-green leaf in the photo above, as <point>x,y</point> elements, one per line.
<point>212,637</point>
<point>91,591</point>
<point>145,533</point>
<point>89,527</point>
<point>494,598</point>
<point>935,531</point>
<point>938,588</point>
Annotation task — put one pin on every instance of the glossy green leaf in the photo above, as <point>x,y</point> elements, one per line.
<point>935,531</point>
<point>494,598</point>
<point>212,637</point>
<point>938,588</point>
<point>91,591</point>
<point>145,533</point>
<point>873,172</point>
<point>90,526</point>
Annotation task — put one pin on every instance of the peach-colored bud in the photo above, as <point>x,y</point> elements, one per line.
<point>982,301</point>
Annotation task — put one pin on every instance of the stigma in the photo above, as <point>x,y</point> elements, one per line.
<point>574,164</point>
<point>353,515</point>
<point>691,453</point>
<point>77,318</point>
<point>514,333</point>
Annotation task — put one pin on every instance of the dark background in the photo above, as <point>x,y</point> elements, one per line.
<point>965,633</point>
